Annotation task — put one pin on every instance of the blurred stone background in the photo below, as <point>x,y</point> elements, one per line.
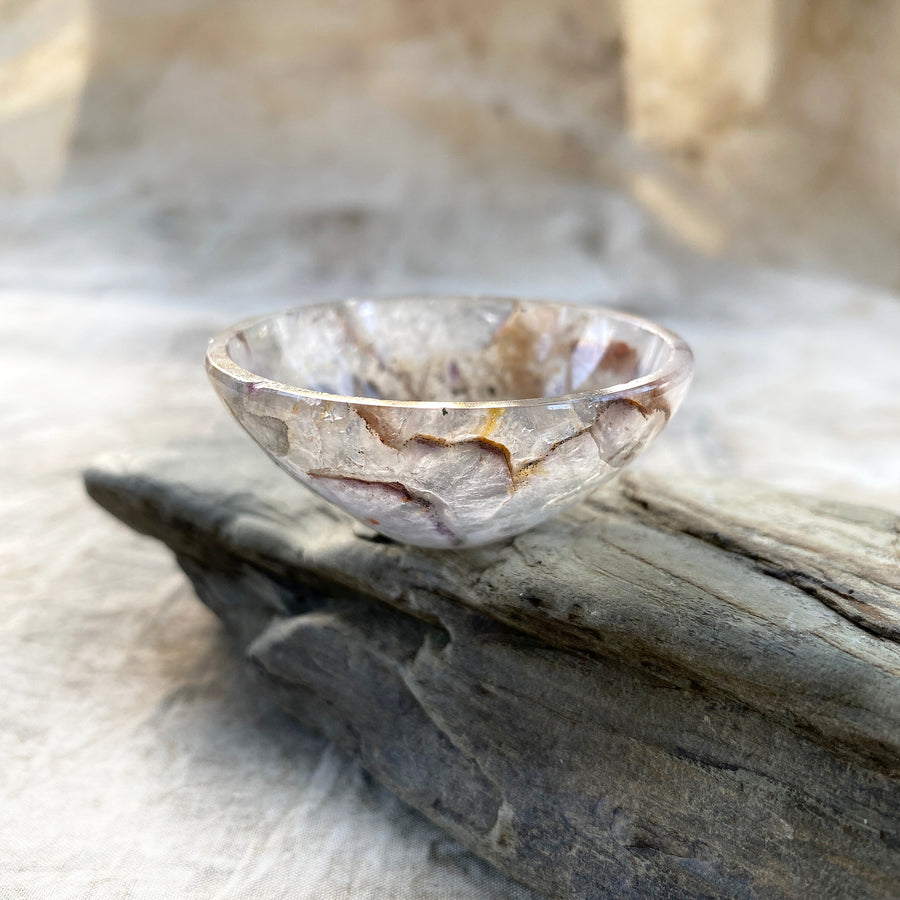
<point>170,166</point>
<point>765,128</point>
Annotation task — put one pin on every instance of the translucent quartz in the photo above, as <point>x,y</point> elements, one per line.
<point>450,422</point>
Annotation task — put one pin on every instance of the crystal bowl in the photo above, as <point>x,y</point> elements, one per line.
<point>450,422</point>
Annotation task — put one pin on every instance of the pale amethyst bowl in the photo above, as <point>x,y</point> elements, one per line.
<point>450,422</point>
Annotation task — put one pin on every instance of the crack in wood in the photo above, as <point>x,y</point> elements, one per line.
<point>878,615</point>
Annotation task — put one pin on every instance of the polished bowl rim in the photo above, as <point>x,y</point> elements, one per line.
<point>677,368</point>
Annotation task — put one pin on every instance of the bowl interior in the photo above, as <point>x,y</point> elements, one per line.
<point>440,349</point>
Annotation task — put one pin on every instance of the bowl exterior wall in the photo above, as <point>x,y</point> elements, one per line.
<point>454,476</point>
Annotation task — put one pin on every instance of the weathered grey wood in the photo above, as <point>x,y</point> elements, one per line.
<point>671,691</point>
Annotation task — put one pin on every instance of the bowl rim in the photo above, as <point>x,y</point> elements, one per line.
<point>677,368</point>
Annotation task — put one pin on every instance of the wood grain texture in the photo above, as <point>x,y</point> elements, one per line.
<point>672,691</point>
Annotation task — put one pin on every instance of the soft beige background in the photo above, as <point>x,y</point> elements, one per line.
<point>167,167</point>
<point>772,127</point>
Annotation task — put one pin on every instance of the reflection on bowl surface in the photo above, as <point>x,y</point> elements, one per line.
<point>450,422</point>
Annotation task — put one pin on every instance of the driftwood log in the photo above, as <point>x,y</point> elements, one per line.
<point>686,690</point>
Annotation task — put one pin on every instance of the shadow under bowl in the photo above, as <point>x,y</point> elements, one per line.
<point>450,422</point>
